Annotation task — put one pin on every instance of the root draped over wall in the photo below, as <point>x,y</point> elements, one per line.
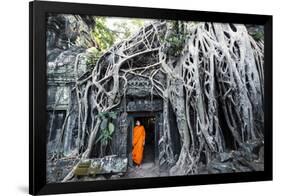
<point>200,69</point>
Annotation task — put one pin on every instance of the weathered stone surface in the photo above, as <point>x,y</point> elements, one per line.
<point>237,161</point>
<point>144,105</point>
<point>110,164</point>
<point>65,30</point>
<point>105,165</point>
<point>140,87</point>
<point>119,139</point>
<point>146,170</point>
<point>187,99</point>
<point>225,157</point>
<point>67,39</point>
<point>88,178</point>
<point>115,176</point>
<point>56,171</point>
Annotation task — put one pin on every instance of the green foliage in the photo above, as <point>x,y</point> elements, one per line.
<point>104,123</point>
<point>103,36</point>
<point>107,127</point>
<point>106,34</point>
<point>93,55</point>
<point>176,44</point>
<point>258,35</point>
<point>126,28</point>
<point>175,41</point>
<point>112,115</point>
<point>110,128</point>
<point>256,31</point>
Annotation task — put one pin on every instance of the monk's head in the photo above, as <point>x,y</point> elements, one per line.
<point>138,123</point>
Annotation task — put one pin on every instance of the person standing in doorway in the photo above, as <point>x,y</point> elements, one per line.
<point>138,143</point>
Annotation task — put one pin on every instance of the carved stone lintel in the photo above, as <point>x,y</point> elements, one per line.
<point>142,105</point>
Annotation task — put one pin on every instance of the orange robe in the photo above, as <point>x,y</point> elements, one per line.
<point>138,142</point>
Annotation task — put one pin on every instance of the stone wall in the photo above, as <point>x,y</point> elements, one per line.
<point>67,39</point>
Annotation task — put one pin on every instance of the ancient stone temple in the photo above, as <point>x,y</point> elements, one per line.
<point>68,37</point>
<point>139,104</point>
<point>197,88</point>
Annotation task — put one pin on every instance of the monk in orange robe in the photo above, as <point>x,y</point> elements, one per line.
<point>138,143</point>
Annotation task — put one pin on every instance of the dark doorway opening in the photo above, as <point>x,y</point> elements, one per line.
<point>55,123</point>
<point>149,148</point>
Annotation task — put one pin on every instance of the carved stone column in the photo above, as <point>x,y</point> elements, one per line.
<point>123,126</point>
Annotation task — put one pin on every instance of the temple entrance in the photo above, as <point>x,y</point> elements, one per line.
<point>150,163</point>
<point>150,115</point>
<point>149,148</point>
<point>149,121</point>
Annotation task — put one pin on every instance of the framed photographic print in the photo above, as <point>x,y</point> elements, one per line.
<point>130,97</point>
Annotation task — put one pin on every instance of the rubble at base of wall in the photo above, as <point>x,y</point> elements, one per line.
<point>105,165</point>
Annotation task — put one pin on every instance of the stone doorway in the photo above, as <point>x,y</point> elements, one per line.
<point>150,163</point>
<point>150,122</point>
<point>150,147</point>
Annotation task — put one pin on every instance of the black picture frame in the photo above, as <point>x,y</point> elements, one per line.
<point>37,97</point>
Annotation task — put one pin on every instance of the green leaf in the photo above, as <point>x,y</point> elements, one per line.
<point>101,115</point>
<point>110,128</point>
<point>99,138</point>
<point>107,137</point>
<point>112,115</point>
<point>104,124</point>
